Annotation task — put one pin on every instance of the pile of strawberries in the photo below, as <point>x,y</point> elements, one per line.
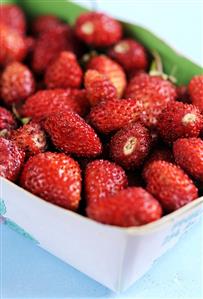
<point>85,125</point>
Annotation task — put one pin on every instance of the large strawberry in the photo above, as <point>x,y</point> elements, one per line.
<point>13,16</point>
<point>71,134</point>
<point>55,177</point>
<point>196,91</point>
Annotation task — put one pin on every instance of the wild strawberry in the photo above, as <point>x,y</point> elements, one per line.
<point>179,120</point>
<point>45,23</point>
<point>113,115</point>
<point>7,122</point>
<point>71,134</point>
<point>103,178</point>
<point>13,45</point>
<point>111,69</point>
<point>30,138</point>
<point>17,83</point>
<point>170,185</point>
<point>183,94</point>
<point>98,87</point>
<point>130,207</point>
<point>54,177</point>
<point>130,54</point>
<point>64,72</point>
<point>98,29</point>
<point>130,146</point>
<point>196,91</point>
<point>13,16</point>
<point>11,159</point>
<point>189,155</point>
<point>45,102</point>
<point>154,92</point>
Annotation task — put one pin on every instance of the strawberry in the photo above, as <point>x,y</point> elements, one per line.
<point>17,83</point>
<point>130,207</point>
<point>111,69</point>
<point>30,138</point>
<point>170,185</point>
<point>113,115</point>
<point>64,72</point>
<point>103,178</point>
<point>71,134</point>
<point>98,87</point>
<point>45,102</point>
<point>11,159</point>
<point>183,94</point>
<point>98,29</point>
<point>179,120</point>
<point>130,54</point>
<point>130,146</point>
<point>13,16</point>
<point>54,177</point>
<point>13,45</point>
<point>45,23</point>
<point>154,92</point>
<point>189,156</point>
<point>7,122</point>
<point>196,91</point>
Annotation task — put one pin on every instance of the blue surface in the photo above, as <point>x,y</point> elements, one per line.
<point>29,272</point>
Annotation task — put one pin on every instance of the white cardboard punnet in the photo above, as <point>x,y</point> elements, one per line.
<point>115,257</point>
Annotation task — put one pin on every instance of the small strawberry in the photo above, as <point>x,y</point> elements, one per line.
<point>170,185</point>
<point>11,159</point>
<point>7,122</point>
<point>17,83</point>
<point>54,177</point>
<point>130,54</point>
<point>30,138</point>
<point>130,207</point>
<point>130,146</point>
<point>13,45</point>
<point>64,72</point>
<point>113,115</point>
<point>45,23</point>
<point>179,120</point>
<point>98,87</point>
<point>45,102</point>
<point>183,94</point>
<point>154,92</point>
<point>103,178</point>
<point>13,16</point>
<point>189,156</point>
<point>196,91</point>
<point>111,69</point>
<point>71,134</point>
<point>98,29</point>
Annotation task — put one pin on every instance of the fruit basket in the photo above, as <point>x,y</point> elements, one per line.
<point>114,256</point>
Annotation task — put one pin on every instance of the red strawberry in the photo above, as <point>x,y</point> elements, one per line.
<point>98,87</point>
<point>30,138</point>
<point>189,155</point>
<point>130,54</point>
<point>45,23</point>
<point>13,45</point>
<point>154,92</point>
<point>64,72</point>
<point>71,134</point>
<point>97,29</point>
<point>113,115</point>
<point>170,185</point>
<point>196,91</point>
<point>130,146</point>
<point>180,120</point>
<point>183,94</point>
<point>17,83</point>
<point>11,159</point>
<point>103,178</point>
<point>111,69</point>
<point>130,207</point>
<point>45,102</point>
<point>13,16</point>
<point>54,177</point>
<point>7,122</point>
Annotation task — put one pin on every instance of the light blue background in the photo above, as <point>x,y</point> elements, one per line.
<point>29,272</point>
